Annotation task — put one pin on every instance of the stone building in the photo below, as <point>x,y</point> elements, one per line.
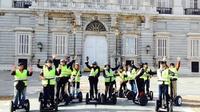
<point>105,30</point>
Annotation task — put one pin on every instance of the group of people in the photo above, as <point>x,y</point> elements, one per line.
<point>58,73</point>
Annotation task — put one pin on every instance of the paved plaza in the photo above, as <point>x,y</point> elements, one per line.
<point>188,88</point>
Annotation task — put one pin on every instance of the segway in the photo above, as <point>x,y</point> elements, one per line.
<point>177,99</point>
<point>49,106</point>
<point>78,95</point>
<point>22,104</point>
<point>140,98</point>
<point>163,104</point>
<point>112,97</point>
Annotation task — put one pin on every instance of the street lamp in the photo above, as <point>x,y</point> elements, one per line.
<point>148,48</point>
<point>40,46</point>
<point>74,33</point>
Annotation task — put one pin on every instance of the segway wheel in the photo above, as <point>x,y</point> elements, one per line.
<point>103,98</point>
<point>151,95</point>
<point>157,105</point>
<point>12,106</point>
<point>129,95</point>
<point>120,94</point>
<point>178,101</point>
<point>87,98</point>
<point>143,100</point>
<point>99,98</point>
<point>80,96</point>
<point>27,105</point>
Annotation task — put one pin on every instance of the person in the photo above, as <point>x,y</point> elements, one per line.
<point>163,77</point>
<point>109,77</point>
<point>20,74</point>
<point>93,77</point>
<point>146,76</point>
<point>139,80</point>
<point>47,76</point>
<point>123,79</point>
<point>76,76</point>
<point>175,69</point>
<point>131,78</point>
<point>64,71</point>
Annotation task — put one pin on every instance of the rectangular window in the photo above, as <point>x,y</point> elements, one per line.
<point>195,47</point>
<point>60,43</point>
<point>130,46</point>
<point>195,66</point>
<point>161,47</point>
<point>23,43</point>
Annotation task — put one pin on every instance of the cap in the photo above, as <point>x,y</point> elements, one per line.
<point>62,60</point>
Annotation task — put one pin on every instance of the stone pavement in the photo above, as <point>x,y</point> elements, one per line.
<point>188,88</point>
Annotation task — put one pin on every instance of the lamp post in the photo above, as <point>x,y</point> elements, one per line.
<point>74,33</point>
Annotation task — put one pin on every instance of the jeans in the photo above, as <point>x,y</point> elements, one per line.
<point>133,86</point>
<point>163,89</point>
<point>19,98</point>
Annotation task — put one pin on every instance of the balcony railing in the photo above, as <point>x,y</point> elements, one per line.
<point>22,4</point>
<point>164,10</point>
<point>84,6</point>
<point>192,11</point>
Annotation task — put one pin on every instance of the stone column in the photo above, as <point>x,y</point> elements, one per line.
<point>178,8</point>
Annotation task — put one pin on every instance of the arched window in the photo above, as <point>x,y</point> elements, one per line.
<point>95,25</point>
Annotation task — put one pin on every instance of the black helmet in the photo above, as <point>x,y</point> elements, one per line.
<point>94,63</point>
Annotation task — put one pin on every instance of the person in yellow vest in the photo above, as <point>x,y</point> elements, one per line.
<point>131,78</point>
<point>93,77</point>
<point>64,71</point>
<point>109,78</point>
<point>123,78</point>
<point>163,76</point>
<point>76,77</point>
<point>20,74</point>
<point>175,69</point>
<point>47,76</point>
<point>146,76</point>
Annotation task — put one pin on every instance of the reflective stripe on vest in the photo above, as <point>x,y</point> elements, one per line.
<point>21,76</point>
<point>65,71</point>
<point>173,69</point>
<point>109,76</point>
<point>94,72</point>
<point>76,74</point>
<point>49,75</point>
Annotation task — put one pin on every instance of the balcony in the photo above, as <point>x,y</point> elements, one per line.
<point>84,6</point>
<point>192,11</point>
<point>164,10</point>
<point>22,4</point>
